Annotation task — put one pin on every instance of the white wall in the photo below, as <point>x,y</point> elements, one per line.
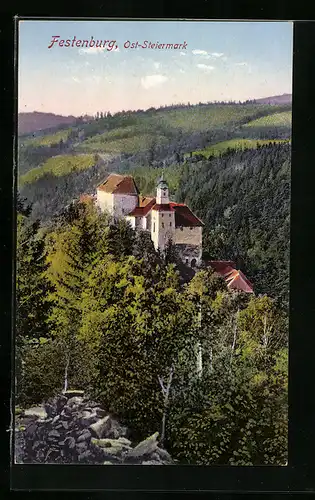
<point>104,201</point>
<point>161,235</point>
<point>124,203</point>
<point>132,221</point>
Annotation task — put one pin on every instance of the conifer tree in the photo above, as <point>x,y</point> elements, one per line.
<point>33,304</point>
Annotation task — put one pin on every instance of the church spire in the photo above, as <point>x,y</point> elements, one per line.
<point>162,194</point>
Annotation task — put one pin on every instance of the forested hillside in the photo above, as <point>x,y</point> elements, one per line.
<point>243,197</point>
<point>104,312</point>
<point>98,309</point>
<point>229,162</point>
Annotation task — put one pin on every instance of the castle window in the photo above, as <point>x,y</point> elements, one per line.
<point>169,215</point>
<point>170,224</point>
<point>162,215</point>
<point>162,224</point>
<point>154,227</point>
<point>181,228</point>
<point>186,261</point>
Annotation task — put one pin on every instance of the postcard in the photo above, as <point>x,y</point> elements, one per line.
<point>152,242</point>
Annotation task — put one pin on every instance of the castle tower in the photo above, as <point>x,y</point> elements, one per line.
<point>163,218</point>
<point>162,194</point>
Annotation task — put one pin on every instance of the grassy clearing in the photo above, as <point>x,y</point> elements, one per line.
<point>221,147</point>
<point>46,140</point>
<point>119,143</point>
<point>58,166</point>
<point>212,117</point>
<point>283,119</point>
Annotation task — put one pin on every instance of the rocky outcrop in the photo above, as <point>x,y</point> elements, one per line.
<point>72,429</point>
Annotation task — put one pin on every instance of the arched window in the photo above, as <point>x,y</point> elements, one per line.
<point>193,263</point>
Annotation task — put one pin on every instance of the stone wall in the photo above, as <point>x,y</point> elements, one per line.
<point>190,254</point>
<point>188,235</point>
<point>188,242</point>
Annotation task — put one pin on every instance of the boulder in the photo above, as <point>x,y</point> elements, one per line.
<point>151,462</point>
<point>85,436</point>
<point>75,401</point>
<point>36,411</point>
<point>111,443</point>
<point>145,447</point>
<point>100,427</point>
<point>70,428</point>
<point>164,455</point>
<point>73,392</point>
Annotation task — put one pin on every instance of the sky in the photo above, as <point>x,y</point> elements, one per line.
<point>216,61</point>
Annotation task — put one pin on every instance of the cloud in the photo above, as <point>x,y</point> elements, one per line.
<point>152,81</point>
<point>181,70</point>
<point>241,64</point>
<point>75,79</point>
<point>182,53</point>
<point>156,65</point>
<point>205,67</point>
<point>198,52</point>
<point>96,50</point>
<point>203,54</point>
<point>91,50</point>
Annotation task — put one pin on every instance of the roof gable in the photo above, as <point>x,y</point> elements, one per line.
<point>119,184</point>
<point>184,216</point>
<point>144,207</point>
<point>234,278</point>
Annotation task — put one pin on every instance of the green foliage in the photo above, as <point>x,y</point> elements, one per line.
<point>121,321</point>
<point>58,166</point>
<point>46,140</point>
<point>276,119</point>
<point>243,197</point>
<point>32,285</point>
<point>33,288</point>
<point>238,144</point>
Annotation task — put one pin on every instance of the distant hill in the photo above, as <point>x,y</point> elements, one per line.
<point>36,121</point>
<point>276,99</point>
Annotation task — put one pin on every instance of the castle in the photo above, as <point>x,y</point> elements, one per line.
<point>165,220</point>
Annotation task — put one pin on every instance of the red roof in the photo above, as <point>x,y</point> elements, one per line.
<point>145,205</point>
<point>166,207</point>
<point>86,198</point>
<point>119,184</point>
<point>183,215</point>
<point>234,279</point>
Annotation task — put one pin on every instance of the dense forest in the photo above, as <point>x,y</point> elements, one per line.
<point>100,309</point>
<point>92,293</point>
